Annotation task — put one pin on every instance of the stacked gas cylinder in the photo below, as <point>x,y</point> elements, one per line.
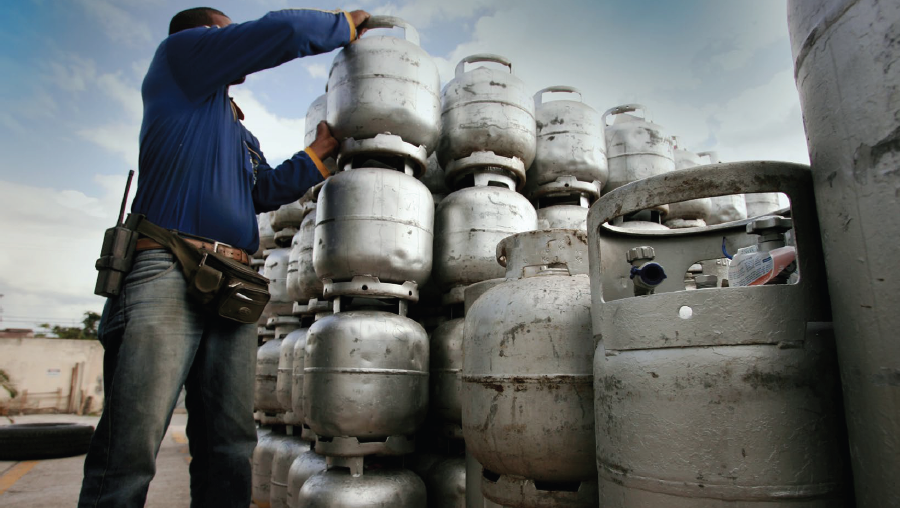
<point>432,328</point>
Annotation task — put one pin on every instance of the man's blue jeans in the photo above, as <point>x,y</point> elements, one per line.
<point>156,340</point>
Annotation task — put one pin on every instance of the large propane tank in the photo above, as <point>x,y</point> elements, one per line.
<point>570,141</point>
<point>719,396</point>
<point>261,477</point>
<point>445,482</point>
<point>275,270</point>
<point>468,225</point>
<point>692,213</point>
<point>446,363</point>
<point>636,147</point>
<point>724,208</point>
<point>487,119</point>
<point>302,282</point>
<point>303,468</point>
<point>845,60</point>
<point>377,488</point>
<point>374,222</point>
<point>563,217</point>
<point>318,112</point>
<point>265,394</point>
<point>761,203</point>
<point>384,95</point>
<point>284,383</point>
<point>527,411</point>
<point>298,363</point>
<point>266,233</point>
<point>285,454</point>
<point>365,381</point>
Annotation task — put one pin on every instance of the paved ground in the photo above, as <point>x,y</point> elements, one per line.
<point>56,483</point>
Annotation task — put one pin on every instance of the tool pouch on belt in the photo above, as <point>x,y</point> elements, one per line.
<point>224,286</point>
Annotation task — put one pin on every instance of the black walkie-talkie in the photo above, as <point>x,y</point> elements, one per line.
<point>117,253</point>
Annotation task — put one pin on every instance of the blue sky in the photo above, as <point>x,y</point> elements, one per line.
<point>715,72</point>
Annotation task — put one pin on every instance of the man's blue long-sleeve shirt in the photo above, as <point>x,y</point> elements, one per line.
<point>201,171</point>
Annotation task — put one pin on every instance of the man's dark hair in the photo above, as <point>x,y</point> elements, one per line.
<point>192,18</point>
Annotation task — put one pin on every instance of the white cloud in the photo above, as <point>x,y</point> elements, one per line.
<point>689,74</point>
<point>422,13</point>
<point>118,138</point>
<point>53,237</point>
<point>317,70</point>
<point>279,137</point>
<point>72,73</point>
<point>117,23</point>
<point>129,98</point>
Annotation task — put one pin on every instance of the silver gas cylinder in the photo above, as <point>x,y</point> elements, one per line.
<point>377,488</point>
<point>261,462</point>
<point>365,382</point>
<point>563,217</point>
<point>724,208</point>
<point>570,141</point>
<point>374,222</point>
<point>716,396</point>
<point>304,467</point>
<point>266,233</point>
<point>470,222</point>
<point>302,281</point>
<point>318,112</point>
<point>636,147</point>
<point>283,384</point>
<point>446,363</point>
<point>527,411</point>
<point>289,450</point>
<point>265,394</point>
<point>761,203</point>
<point>384,95</point>
<point>694,212</point>
<point>298,363</point>
<point>845,63</point>
<point>487,119</point>
<point>445,482</point>
<point>275,270</point>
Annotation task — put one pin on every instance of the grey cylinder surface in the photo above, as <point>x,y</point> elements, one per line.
<point>486,110</point>
<point>761,203</point>
<point>377,488</point>
<point>382,84</point>
<point>275,270</point>
<point>287,452</point>
<point>265,395</point>
<point>720,396</point>
<point>446,363</point>
<point>570,140</point>
<point>446,483</point>
<point>562,217</point>
<point>297,365</point>
<point>283,385</point>
<point>845,56</point>
<point>302,281</point>
<point>636,148</point>
<point>263,455</point>
<point>303,468</point>
<point>468,225</point>
<point>375,222</point>
<point>365,375</point>
<point>527,410</point>
<point>693,208</point>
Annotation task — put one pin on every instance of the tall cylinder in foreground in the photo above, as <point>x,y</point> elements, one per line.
<point>713,397</point>
<point>527,409</point>
<point>846,63</point>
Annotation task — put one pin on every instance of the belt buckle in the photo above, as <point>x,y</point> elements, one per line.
<point>216,246</point>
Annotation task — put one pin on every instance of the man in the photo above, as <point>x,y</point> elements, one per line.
<point>201,173</point>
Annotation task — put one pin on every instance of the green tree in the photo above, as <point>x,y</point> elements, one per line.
<point>87,332</point>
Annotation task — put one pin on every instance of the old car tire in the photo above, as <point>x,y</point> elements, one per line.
<point>28,441</point>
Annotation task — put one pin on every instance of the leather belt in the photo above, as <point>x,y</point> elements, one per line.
<point>226,250</point>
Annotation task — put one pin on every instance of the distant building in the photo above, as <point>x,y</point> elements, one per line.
<point>17,333</point>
